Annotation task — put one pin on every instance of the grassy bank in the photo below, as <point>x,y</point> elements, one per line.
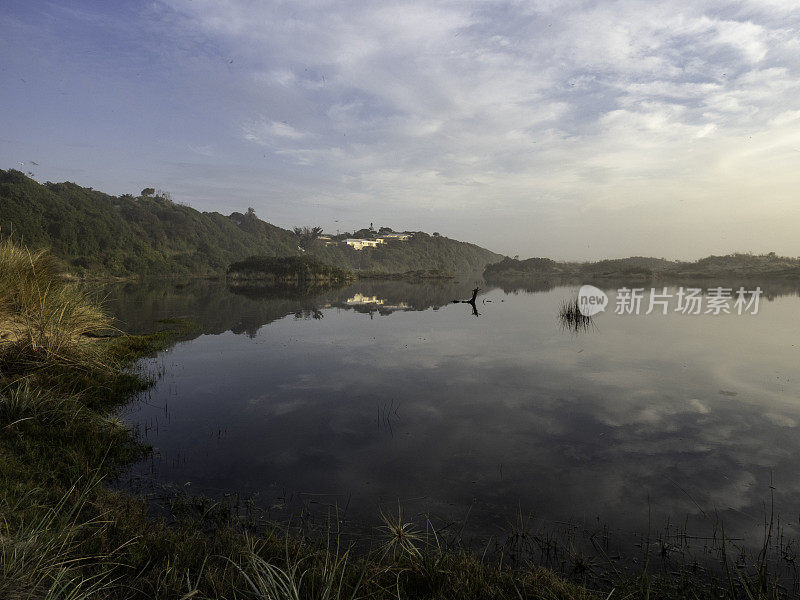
<point>64,369</point>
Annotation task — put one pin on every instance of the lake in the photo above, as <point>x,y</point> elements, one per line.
<point>384,392</point>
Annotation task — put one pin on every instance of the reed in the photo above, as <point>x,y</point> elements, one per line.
<point>571,317</point>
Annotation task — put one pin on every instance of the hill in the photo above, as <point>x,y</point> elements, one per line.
<point>94,232</point>
<point>738,265</point>
<point>98,234</point>
<point>422,252</point>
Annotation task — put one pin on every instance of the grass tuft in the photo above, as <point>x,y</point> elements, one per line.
<point>401,537</point>
<point>44,320</point>
<point>571,317</point>
<point>43,557</point>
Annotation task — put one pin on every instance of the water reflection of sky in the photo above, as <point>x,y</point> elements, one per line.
<point>674,414</point>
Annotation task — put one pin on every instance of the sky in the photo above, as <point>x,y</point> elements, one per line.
<point>569,129</point>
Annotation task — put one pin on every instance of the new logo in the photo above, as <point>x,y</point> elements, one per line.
<point>591,300</point>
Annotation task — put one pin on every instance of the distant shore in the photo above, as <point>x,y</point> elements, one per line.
<point>739,266</point>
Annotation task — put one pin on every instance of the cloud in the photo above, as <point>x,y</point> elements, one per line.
<point>537,108</point>
<point>202,150</point>
<point>267,133</point>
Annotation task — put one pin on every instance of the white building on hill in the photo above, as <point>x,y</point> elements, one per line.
<point>358,244</point>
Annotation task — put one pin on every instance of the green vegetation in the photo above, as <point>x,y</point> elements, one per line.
<point>307,235</point>
<point>95,234</point>
<point>733,265</point>
<point>420,253</point>
<point>292,270</point>
<point>747,265</point>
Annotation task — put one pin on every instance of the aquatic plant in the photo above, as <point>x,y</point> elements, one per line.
<point>400,536</point>
<point>571,317</point>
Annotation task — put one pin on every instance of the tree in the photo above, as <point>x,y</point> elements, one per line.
<point>306,235</point>
<point>148,192</point>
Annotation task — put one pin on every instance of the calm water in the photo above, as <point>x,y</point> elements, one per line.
<point>384,392</point>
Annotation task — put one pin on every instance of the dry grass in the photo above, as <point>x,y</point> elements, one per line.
<point>42,317</point>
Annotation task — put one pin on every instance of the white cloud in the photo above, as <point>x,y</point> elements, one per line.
<point>437,104</point>
<point>789,116</point>
<point>202,150</point>
<point>267,132</point>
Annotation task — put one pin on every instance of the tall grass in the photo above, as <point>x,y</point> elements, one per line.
<point>42,317</point>
<point>318,576</point>
<point>43,557</point>
<point>25,402</point>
